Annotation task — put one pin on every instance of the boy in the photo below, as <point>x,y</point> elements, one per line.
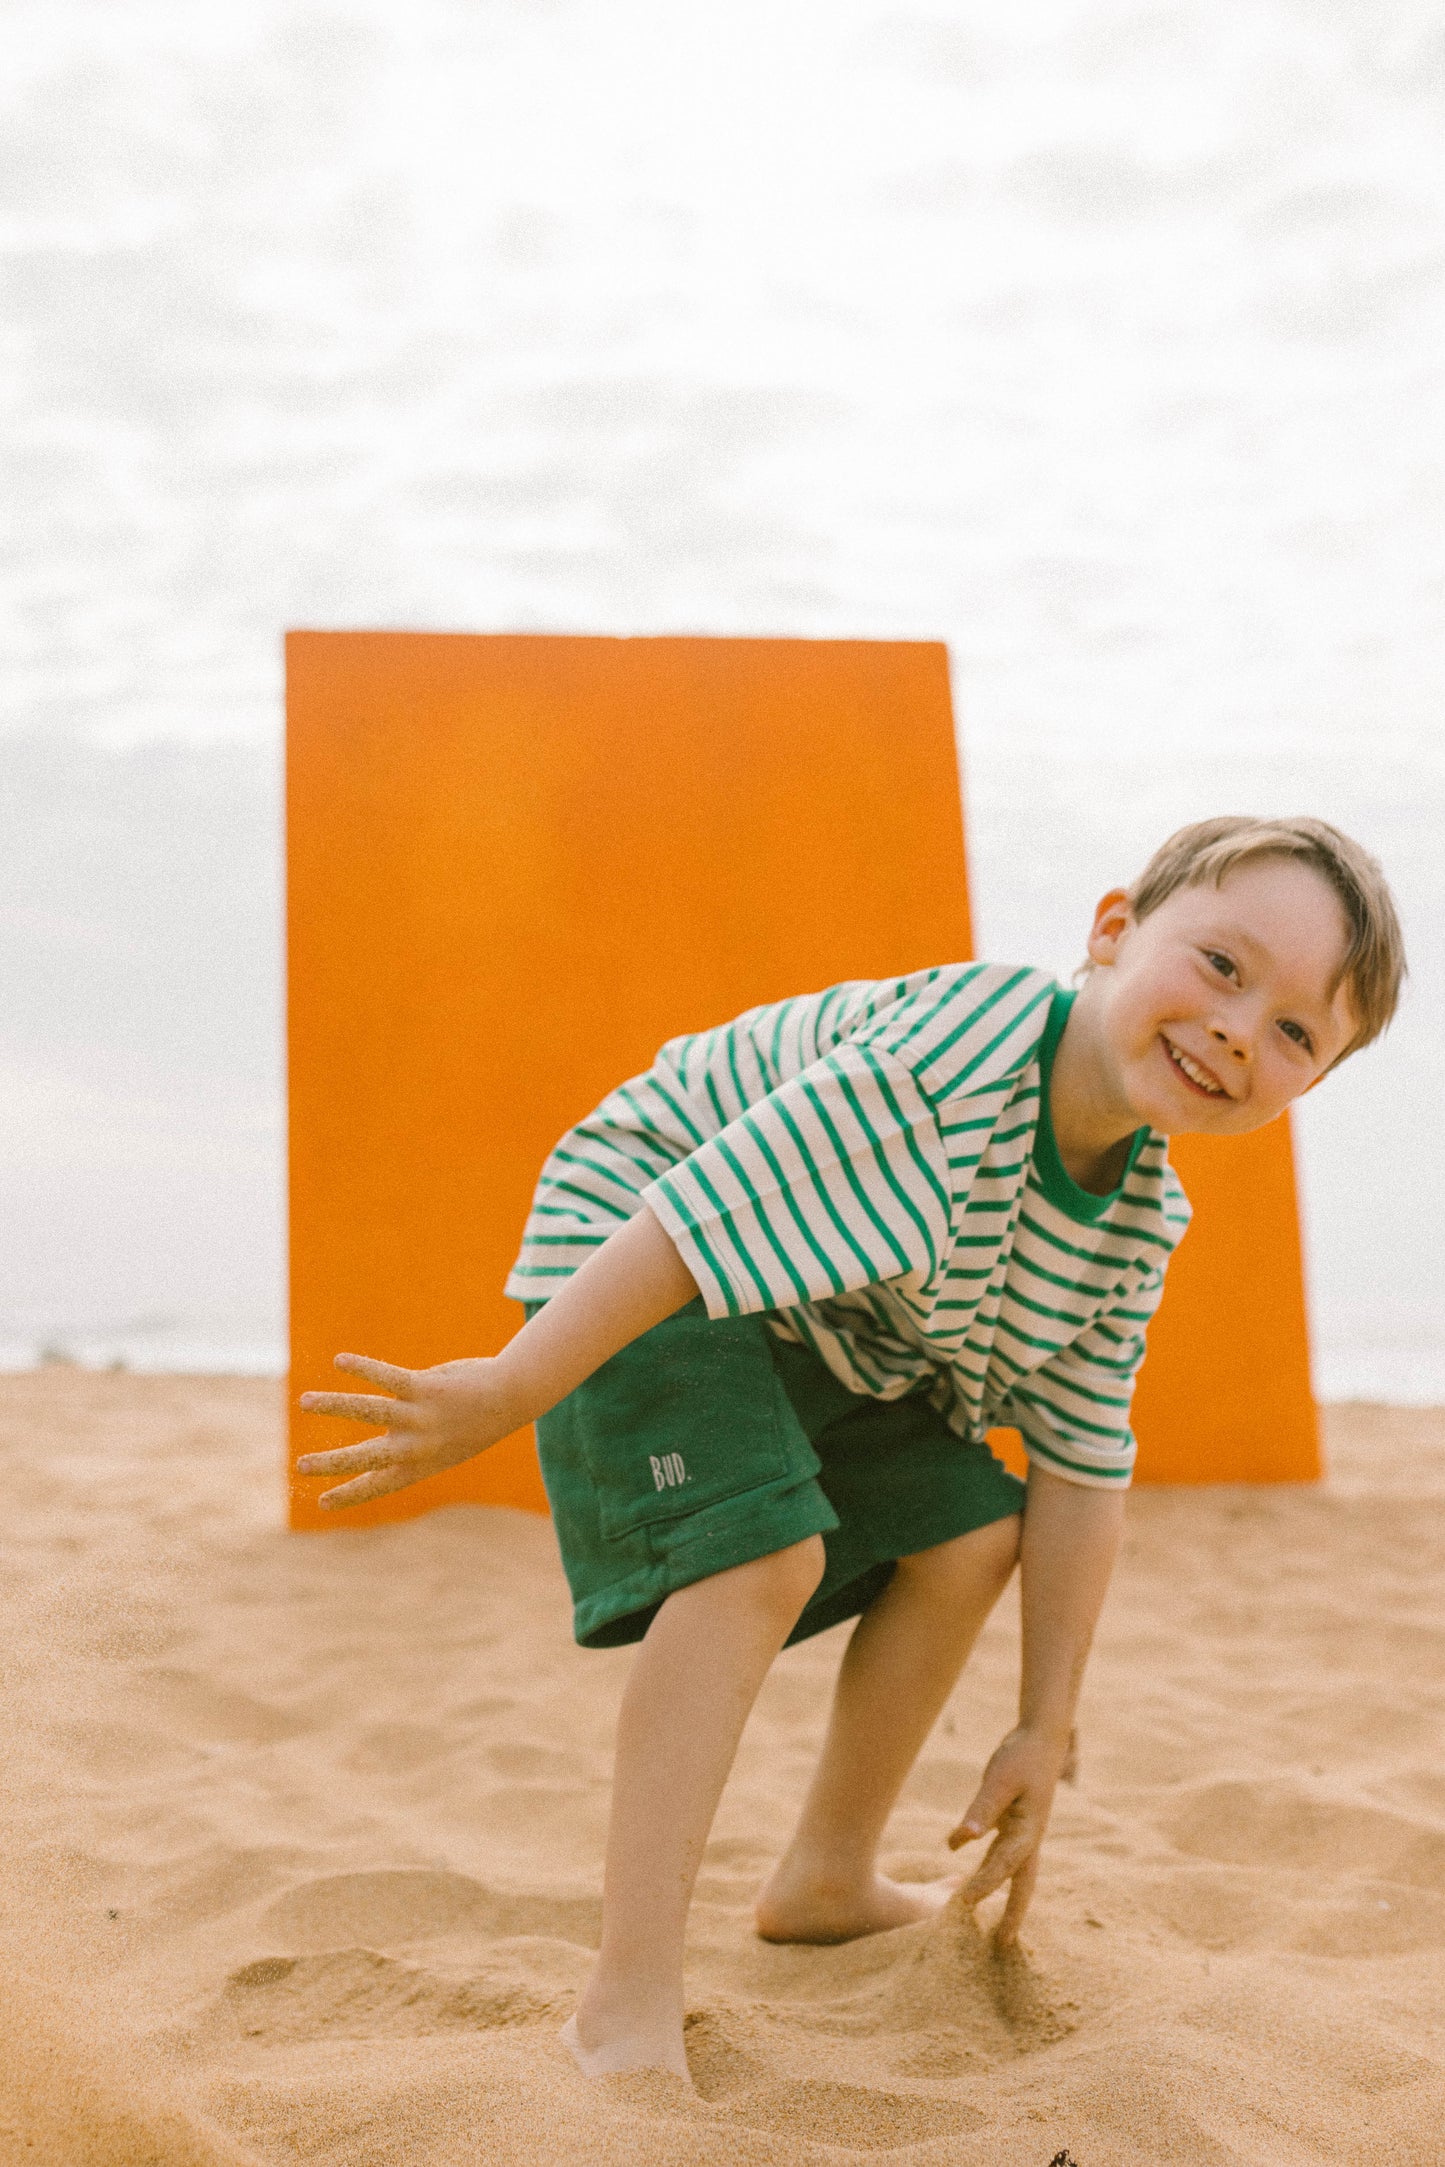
<point>779,1287</point>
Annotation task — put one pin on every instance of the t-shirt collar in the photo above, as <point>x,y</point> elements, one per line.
<point>1054,1178</point>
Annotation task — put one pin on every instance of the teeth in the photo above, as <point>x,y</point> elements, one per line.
<point>1194,1072</point>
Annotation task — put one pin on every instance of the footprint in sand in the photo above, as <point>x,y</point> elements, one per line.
<point>814,2110</point>
<point>208,1714</point>
<point>363,1994</point>
<point>532,1764</point>
<point>396,1749</point>
<point>114,1752</point>
<point>1282,1822</point>
<point>1223,1908</point>
<point>392,1909</point>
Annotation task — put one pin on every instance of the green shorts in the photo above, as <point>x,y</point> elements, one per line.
<point>706,1444</point>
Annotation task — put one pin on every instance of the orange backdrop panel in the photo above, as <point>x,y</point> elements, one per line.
<point>517,865</point>
<point>1225,1393</point>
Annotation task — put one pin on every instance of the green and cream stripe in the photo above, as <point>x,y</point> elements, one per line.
<point>874,1166</point>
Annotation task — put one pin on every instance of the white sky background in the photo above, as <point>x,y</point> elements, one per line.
<point>1104,343</point>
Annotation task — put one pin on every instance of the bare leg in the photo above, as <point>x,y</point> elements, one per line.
<point>906,1651</point>
<point>695,1680</point>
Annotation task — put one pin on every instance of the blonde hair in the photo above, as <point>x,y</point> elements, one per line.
<point>1374,961</point>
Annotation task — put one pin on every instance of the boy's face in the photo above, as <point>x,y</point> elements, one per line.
<point>1216,1010</point>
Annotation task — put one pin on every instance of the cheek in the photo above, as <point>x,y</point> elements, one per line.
<point>1167,996</point>
<point>1279,1076</point>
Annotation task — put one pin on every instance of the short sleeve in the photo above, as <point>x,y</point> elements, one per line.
<point>1073,1412</point>
<point>837,1180</point>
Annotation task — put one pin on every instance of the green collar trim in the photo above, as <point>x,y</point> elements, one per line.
<point>1054,1178</point>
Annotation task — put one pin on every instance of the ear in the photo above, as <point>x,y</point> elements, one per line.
<point>1112,920</point>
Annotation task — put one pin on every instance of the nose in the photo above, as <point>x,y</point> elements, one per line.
<point>1228,1043</point>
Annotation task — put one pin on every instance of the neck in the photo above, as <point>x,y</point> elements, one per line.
<point>1093,1127</point>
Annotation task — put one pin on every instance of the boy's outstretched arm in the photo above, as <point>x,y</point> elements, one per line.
<point>1070,1540</point>
<point>439,1417</point>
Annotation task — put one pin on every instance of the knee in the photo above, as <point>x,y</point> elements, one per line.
<point>784,1580</point>
<point>984,1558</point>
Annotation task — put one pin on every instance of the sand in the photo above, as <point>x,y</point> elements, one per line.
<point>302,1834</point>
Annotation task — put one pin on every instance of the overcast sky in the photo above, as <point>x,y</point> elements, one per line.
<point>1104,342</point>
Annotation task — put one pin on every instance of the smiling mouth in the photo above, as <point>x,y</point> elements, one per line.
<point>1197,1077</point>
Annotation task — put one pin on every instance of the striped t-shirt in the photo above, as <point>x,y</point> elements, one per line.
<point>875,1167</point>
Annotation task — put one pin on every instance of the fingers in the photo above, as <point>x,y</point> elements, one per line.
<point>1012,1799</point>
<point>990,1802</point>
<point>1021,1890</point>
<point>379,1483</point>
<point>1006,1854</point>
<point>378,1465</point>
<point>359,1407</point>
<point>975,1823</point>
<point>387,1414</point>
<point>360,1459</point>
<point>386,1374</point>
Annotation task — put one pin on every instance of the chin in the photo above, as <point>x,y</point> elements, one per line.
<point>1178,1113</point>
<point>1230,1119</point>
<point>1166,1120</point>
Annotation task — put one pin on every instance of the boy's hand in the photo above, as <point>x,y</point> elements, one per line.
<point>1014,1798</point>
<point>438,1418</point>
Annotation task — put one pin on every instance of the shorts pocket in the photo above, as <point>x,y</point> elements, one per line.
<point>687,1416</point>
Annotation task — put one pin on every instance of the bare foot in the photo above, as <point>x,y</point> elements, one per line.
<point>605,2052</point>
<point>812,1907</point>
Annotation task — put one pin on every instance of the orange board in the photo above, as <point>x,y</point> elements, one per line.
<point>1224,1395</point>
<point>516,865</point>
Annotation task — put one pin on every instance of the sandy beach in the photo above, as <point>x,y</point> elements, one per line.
<point>302,1839</point>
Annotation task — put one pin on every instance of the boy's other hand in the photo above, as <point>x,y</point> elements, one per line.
<point>436,1419</point>
<point>1014,1799</point>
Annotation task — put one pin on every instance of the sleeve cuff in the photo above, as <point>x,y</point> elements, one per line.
<point>718,1297</point>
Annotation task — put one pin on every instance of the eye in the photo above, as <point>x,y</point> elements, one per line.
<point>1221,963</point>
<point>1297,1032</point>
